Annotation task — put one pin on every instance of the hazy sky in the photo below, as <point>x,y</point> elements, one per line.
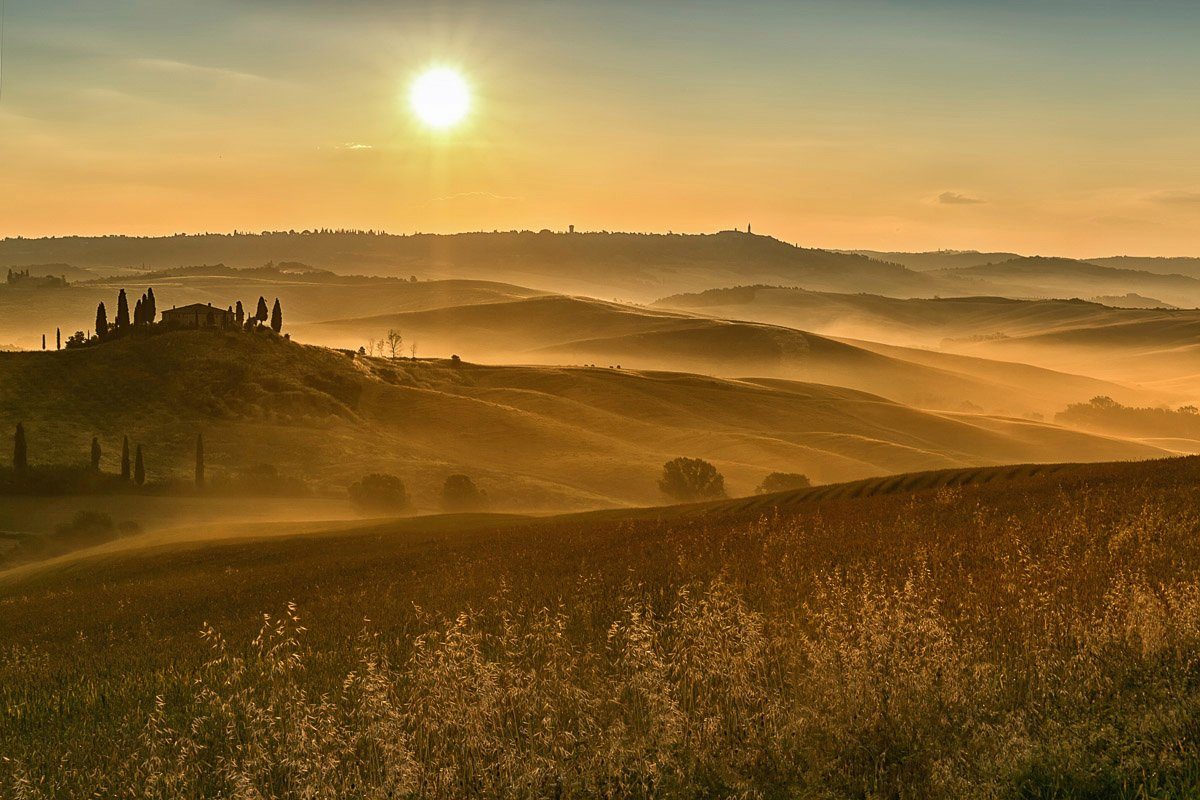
<point>1047,126</point>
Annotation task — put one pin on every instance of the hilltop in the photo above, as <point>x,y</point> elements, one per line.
<point>535,437</point>
<point>641,266</point>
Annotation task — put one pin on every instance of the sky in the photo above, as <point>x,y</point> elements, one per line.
<point>1057,127</point>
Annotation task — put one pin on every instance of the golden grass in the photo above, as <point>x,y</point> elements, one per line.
<point>1038,637</point>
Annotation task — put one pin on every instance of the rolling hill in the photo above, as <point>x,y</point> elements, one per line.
<point>534,437</point>
<point>559,329</point>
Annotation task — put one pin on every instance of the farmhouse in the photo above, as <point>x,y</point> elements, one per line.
<point>198,315</point>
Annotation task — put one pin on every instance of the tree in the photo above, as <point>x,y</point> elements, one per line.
<point>125,459</point>
<point>460,493</point>
<point>58,338</point>
<point>394,342</point>
<point>95,454</point>
<point>139,468</point>
<point>277,317</point>
<point>200,460</point>
<point>691,479</point>
<point>783,482</point>
<point>150,309</point>
<point>20,450</point>
<point>43,341</point>
<point>101,321</point>
<point>122,311</point>
<point>261,313</point>
<point>137,313</point>
<point>379,491</point>
<point>239,314</point>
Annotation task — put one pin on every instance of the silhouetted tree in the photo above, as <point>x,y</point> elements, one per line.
<point>95,454</point>
<point>125,459</point>
<point>58,338</point>
<point>394,341</point>
<point>20,450</point>
<point>43,341</point>
<point>277,317</point>
<point>691,479</point>
<point>261,313</point>
<point>139,468</point>
<point>101,321</point>
<point>379,491</point>
<point>460,493</point>
<point>239,314</point>
<point>137,313</point>
<point>150,310</point>
<point>200,459</point>
<point>122,311</point>
<point>783,482</point>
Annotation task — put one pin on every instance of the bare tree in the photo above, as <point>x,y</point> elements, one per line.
<point>412,349</point>
<point>394,342</point>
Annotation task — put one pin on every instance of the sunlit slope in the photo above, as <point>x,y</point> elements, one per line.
<point>534,437</point>
<point>559,329</point>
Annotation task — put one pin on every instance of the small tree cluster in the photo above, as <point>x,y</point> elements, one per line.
<point>691,479</point>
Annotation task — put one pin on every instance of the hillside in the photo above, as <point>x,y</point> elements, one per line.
<point>534,437</point>
<point>1037,276</point>
<point>937,259</point>
<point>983,612</point>
<point>637,266</point>
<point>558,329</point>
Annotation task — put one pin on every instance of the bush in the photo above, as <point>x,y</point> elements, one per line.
<point>691,479</point>
<point>379,491</point>
<point>783,482</point>
<point>461,494</point>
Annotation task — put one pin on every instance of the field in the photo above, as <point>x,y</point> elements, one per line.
<point>1019,631</point>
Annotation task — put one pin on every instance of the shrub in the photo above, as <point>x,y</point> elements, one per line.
<point>691,479</point>
<point>379,491</point>
<point>460,493</point>
<point>783,482</point>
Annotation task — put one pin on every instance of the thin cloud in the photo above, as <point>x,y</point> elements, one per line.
<point>1175,197</point>
<point>956,199</point>
<point>354,146</point>
<point>169,65</point>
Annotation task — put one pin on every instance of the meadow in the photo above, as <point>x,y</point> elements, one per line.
<point>1007,632</point>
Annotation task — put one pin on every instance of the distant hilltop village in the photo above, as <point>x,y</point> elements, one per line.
<point>22,279</point>
<point>146,319</point>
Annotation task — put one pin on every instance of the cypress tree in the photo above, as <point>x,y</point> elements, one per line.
<point>277,317</point>
<point>122,311</point>
<point>261,313</point>
<point>239,314</point>
<point>151,309</point>
<point>200,460</point>
<point>139,468</point>
<point>95,454</point>
<point>43,341</point>
<point>125,459</point>
<point>58,338</point>
<point>101,321</point>
<point>20,451</point>
<point>137,313</point>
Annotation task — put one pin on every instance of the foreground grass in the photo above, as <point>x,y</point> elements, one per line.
<point>1033,637</point>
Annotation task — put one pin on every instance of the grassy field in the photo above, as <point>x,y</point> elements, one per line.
<point>1009,632</point>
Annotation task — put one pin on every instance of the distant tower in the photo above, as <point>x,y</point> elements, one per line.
<point>570,229</point>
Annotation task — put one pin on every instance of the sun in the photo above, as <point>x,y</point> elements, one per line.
<point>440,97</point>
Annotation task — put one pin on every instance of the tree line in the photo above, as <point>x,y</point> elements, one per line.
<point>133,462</point>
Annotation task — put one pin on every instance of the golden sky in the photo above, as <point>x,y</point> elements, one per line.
<point>1064,127</point>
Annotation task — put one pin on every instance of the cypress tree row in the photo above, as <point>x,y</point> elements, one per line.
<point>125,459</point>
<point>139,468</point>
<point>20,451</point>
<point>277,317</point>
<point>122,311</point>
<point>95,454</point>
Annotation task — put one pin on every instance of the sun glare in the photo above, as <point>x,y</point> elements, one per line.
<point>440,97</point>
